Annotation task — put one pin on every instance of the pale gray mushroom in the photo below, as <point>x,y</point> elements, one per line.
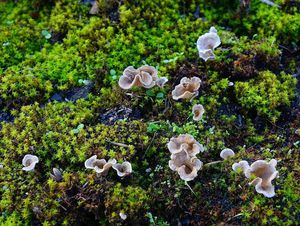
<point>198,111</point>
<point>185,142</point>
<point>187,88</point>
<point>227,153</point>
<point>207,43</point>
<point>265,172</point>
<point>123,169</point>
<point>186,166</point>
<point>178,159</point>
<point>57,175</point>
<point>243,165</point>
<point>161,82</point>
<point>29,161</point>
<point>189,170</point>
<point>144,76</point>
<point>95,8</point>
<point>101,166</point>
<point>123,216</point>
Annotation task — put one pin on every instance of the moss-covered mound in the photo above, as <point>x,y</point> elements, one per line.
<point>60,62</point>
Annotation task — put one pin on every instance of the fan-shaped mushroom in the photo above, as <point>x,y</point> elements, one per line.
<point>123,169</point>
<point>187,88</point>
<point>198,111</point>
<point>226,153</point>
<point>144,76</point>
<point>207,43</point>
<point>99,165</point>
<point>185,142</point>
<point>264,172</point>
<point>29,161</point>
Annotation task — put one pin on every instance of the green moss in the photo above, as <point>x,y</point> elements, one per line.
<point>267,93</point>
<point>132,201</point>
<point>49,46</point>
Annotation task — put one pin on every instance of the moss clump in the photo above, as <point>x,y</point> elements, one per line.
<point>56,47</point>
<point>132,201</point>
<point>266,93</point>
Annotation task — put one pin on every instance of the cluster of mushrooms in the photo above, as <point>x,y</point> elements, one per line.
<point>184,148</point>
<point>101,166</point>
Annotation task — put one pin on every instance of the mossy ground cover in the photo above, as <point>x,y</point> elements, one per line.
<point>60,100</point>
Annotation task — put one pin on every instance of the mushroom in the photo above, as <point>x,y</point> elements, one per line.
<point>161,82</point>
<point>123,216</point>
<point>95,8</point>
<point>243,165</point>
<point>185,142</point>
<point>99,165</point>
<point>123,169</point>
<point>264,173</point>
<point>198,111</point>
<point>144,76</point>
<point>183,150</point>
<point>188,171</point>
<point>226,153</point>
<point>29,161</point>
<point>57,176</point>
<point>207,43</point>
<point>187,88</point>
<point>178,159</point>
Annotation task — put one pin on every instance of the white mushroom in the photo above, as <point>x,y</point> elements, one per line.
<point>188,171</point>
<point>123,169</point>
<point>144,76</point>
<point>123,216</point>
<point>226,153</point>
<point>99,165</point>
<point>198,111</point>
<point>187,88</point>
<point>161,81</point>
<point>243,165</point>
<point>29,161</point>
<point>185,142</point>
<point>265,172</point>
<point>207,43</point>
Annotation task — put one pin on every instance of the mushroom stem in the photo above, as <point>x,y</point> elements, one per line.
<point>186,183</point>
<point>212,163</point>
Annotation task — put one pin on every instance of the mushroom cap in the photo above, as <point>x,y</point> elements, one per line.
<point>226,153</point>
<point>189,170</point>
<point>187,88</point>
<point>99,165</point>
<point>185,142</point>
<point>144,76</point>
<point>178,159</point>
<point>265,172</point>
<point>89,163</point>
<point>207,42</point>
<point>57,176</point>
<point>161,81</point>
<point>198,111</point>
<point>244,165</point>
<point>29,161</point>
<point>102,167</point>
<point>123,216</point>
<point>123,169</point>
